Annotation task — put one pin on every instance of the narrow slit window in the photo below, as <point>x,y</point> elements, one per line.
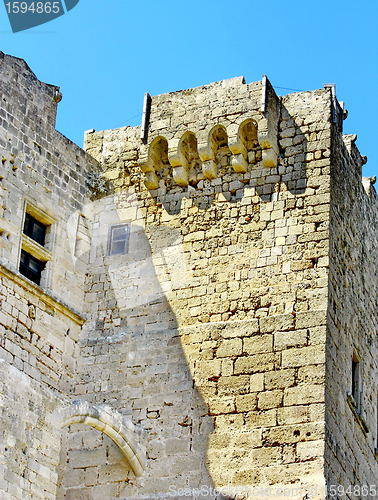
<point>118,242</point>
<point>357,383</point>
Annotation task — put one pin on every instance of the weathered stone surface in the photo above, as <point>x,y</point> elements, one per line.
<point>225,332</point>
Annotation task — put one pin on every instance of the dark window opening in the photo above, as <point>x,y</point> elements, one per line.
<point>34,229</point>
<point>356,383</point>
<point>118,239</point>
<point>31,267</point>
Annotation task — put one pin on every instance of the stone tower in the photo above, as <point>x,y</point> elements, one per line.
<point>188,307</point>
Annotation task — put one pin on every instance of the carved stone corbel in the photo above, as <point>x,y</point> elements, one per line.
<point>240,153</point>
<point>153,160</point>
<point>268,141</point>
<point>217,138</point>
<point>185,160</point>
<point>209,166</point>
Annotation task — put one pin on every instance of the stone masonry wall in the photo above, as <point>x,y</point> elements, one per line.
<point>42,171</point>
<point>218,350</point>
<point>228,269</point>
<point>352,325</point>
<point>41,167</point>
<point>37,343</point>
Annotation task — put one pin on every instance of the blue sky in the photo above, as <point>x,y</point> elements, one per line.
<point>106,54</point>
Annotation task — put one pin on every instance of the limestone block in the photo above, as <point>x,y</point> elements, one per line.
<point>257,382</point>
<point>308,451</point>
<point>258,344</point>
<point>270,399</point>
<point>247,477</point>
<point>294,433</point>
<point>303,394</point>
<point>283,340</point>
<point>293,415</point>
<point>219,406</point>
<point>256,363</point>
<point>231,347</point>
<point>206,369</point>
<point>310,318</point>
<point>270,158</point>
<point>219,440</point>
<point>303,356</point>
<point>256,419</point>
<point>312,374</point>
<point>246,403</point>
<point>209,169</point>
<point>247,439</point>
<point>279,379</point>
<point>277,323</point>
<point>233,385</point>
<point>265,456</point>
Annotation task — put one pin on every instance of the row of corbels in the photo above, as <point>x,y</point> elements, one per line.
<point>199,152</point>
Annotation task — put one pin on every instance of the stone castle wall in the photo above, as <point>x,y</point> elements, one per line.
<point>44,169</point>
<point>43,173</point>
<point>352,322</point>
<point>38,340</point>
<point>236,268</point>
<point>216,352</point>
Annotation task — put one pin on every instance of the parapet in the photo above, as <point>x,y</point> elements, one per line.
<point>37,100</point>
<point>219,139</point>
<point>196,131</point>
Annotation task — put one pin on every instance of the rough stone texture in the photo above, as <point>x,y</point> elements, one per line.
<point>352,319</point>
<point>224,338</point>
<point>39,326</point>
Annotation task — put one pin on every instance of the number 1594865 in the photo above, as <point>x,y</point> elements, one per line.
<point>34,7</point>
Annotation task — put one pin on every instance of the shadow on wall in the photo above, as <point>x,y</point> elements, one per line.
<point>131,359</point>
<point>130,356</point>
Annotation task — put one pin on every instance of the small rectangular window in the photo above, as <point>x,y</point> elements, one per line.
<point>31,267</point>
<point>35,240</point>
<point>118,241</point>
<point>355,380</point>
<point>34,229</point>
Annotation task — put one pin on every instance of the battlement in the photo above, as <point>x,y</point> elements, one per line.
<point>214,141</point>
<point>38,101</point>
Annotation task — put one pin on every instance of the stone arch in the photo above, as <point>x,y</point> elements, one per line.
<point>248,133</point>
<point>245,141</point>
<point>188,160</point>
<point>218,140</point>
<point>157,164</point>
<point>216,149</point>
<point>103,418</point>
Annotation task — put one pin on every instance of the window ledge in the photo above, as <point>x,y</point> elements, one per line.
<point>360,420</point>
<point>39,215</point>
<point>35,249</point>
<point>45,295</point>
